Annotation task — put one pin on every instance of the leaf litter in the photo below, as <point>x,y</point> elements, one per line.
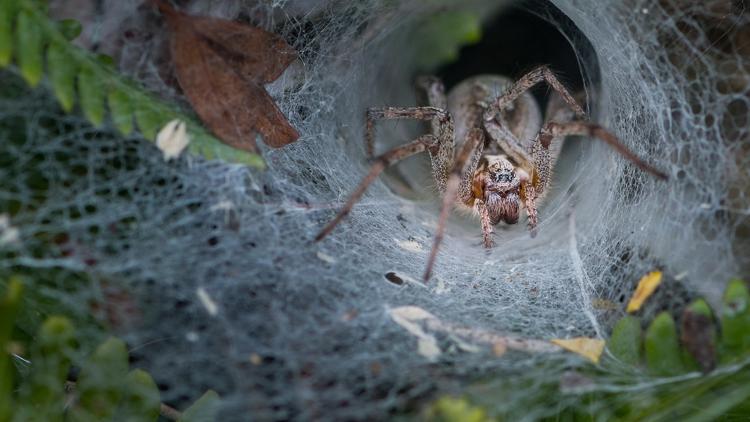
<point>222,66</point>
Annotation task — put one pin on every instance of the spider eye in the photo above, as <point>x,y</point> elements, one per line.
<point>503,177</point>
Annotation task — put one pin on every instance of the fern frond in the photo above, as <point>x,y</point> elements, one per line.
<point>76,76</point>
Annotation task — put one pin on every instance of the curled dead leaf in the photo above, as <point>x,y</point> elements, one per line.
<point>590,348</point>
<point>221,66</point>
<point>424,325</point>
<point>645,289</point>
<point>172,139</point>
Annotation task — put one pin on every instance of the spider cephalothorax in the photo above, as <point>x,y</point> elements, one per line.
<point>497,183</point>
<point>490,153</point>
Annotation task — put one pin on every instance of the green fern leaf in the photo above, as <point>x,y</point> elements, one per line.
<point>205,145</point>
<point>98,82</point>
<point>7,13</point>
<point>29,51</point>
<point>91,95</point>
<point>120,110</point>
<point>149,121</point>
<point>62,75</point>
<point>69,28</point>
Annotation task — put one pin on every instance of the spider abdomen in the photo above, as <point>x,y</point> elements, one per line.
<point>524,119</point>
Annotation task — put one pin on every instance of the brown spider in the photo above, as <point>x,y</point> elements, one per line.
<point>505,155</point>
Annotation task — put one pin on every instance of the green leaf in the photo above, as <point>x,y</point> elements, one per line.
<point>453,409</point>
<point>211,148</point>
<point>130,105</point>
<point>442,35</point>
<point>29,48</point>
<point>626,342</point>
<point>663,355</point>
<point>203,410</point>
<point>7,15</point>
<point>141,401</point>
<point>62,75</point>
<point>8,308</point>
<point>101,383</point>
<point>149,120</point>
<point>91,93</point>
<point>735,321</point>
<point>698,336</point>
<point>69,28</point>
<point>121,110</point>
<point>106,61</point>
<point>50,354</point>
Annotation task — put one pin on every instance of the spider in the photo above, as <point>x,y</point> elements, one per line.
<point>504,153</point>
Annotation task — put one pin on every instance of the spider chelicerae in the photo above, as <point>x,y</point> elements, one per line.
<point>493,156</point>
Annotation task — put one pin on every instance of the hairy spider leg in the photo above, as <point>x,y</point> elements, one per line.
<point>495,125</point>
<point>395,155</point>
<point>431,143</point>
<point>543,165</point>
<point>554,130</point>
<point>527,81</point>
<point>537,157</point>
<point>473,145</point>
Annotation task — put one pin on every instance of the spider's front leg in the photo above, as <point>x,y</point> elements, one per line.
<point>460,177</point>
<point>487,227</point>
<point>555,130</point>
<point>423,143</point>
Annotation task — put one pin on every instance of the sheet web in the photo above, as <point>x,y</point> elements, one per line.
<point>231,293</point>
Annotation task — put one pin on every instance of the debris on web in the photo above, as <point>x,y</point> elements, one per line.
<point>225,289</point>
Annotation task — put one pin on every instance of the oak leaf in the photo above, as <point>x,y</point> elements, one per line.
<point>221,66</point>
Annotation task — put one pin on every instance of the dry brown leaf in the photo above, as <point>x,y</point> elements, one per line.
<point>590,348</point>
<point>221,66</point>
<point>645,289</point>
<point>258,55</point>
<point>697,336</point>
<point>422,324</point>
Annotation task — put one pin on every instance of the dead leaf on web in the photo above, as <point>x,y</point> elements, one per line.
<point>590,348</point>
<point>172,139</point>
<point>424,325</point>
<point>645,289</point>
<point>221,66</point>
<point>408,317</point>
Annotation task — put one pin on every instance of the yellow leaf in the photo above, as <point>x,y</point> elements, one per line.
<point>590,348</point>
<point>645,288</point>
